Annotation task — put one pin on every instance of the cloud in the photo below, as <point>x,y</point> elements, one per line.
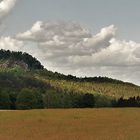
<point>65,39</point>
<point>8,43</point>
<point>118,53</point>
<point>70,48</point>
<point>47,31</point>
<point>5,7</point>
<point>102,39</point>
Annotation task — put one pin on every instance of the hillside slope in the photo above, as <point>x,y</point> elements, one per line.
<point>20,73</point>
<point>20,70</point>
<point>96,85</point>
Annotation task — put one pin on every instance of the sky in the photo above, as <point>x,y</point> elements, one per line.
<point>79,37</point>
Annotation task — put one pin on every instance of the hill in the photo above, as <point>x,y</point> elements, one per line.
<point>96,85</point>
<point>26,84</point>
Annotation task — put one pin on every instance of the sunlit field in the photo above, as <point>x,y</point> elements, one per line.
<point>71,124</point>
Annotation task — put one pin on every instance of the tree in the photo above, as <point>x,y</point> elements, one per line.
<point>13,98</point>
<point>53,99</point>
<point>4,100</point>
<point>103,101</point>
<point>27,99</point>
<point>88,100</point>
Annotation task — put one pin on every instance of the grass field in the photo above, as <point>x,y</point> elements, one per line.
<point>71,124</point>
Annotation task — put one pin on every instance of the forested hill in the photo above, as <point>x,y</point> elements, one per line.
<point>9,59</point>
<point>26,84</point>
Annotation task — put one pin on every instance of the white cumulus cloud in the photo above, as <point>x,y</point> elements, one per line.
<point>59,40</point>
<point>8,43</point>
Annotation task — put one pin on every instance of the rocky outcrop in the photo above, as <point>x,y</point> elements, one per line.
<point>13,64</point>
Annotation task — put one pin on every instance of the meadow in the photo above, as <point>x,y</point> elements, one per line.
<point>71,124</point>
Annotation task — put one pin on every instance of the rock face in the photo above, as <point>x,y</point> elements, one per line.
<point>14,63</point>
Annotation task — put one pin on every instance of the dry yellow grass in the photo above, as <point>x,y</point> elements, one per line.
<point>71,124</point>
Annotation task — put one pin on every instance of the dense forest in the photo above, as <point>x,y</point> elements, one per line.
<point>26,84</point>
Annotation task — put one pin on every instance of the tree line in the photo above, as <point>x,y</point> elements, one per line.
<point>31,98</point>
<point>130,102</point>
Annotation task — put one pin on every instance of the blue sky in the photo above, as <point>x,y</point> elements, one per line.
<point>79,37</point>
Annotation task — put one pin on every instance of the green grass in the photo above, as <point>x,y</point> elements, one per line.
<point>71,124</point>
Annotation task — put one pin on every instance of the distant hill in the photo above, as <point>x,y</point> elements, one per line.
<point>96,85</point>
<point>20,72</point>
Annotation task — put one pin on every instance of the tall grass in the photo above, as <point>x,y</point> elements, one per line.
<point>71,124</point>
